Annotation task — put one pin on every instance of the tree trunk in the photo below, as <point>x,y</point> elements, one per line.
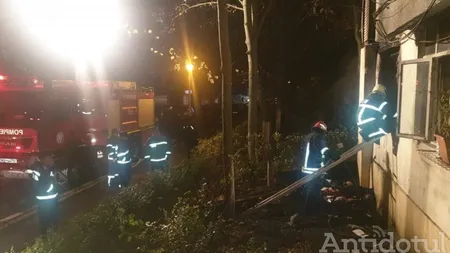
<point>267,116</point>
<point>227,128</point>
<point>252,78</point>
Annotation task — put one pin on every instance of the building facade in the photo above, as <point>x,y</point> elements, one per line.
<point>407,49</point>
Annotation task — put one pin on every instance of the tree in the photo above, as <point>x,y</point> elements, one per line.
<point>253,21</point>
<point>227,127</point>
<point>254,12</point>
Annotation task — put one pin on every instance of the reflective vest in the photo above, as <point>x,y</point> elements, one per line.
<point>123,153</point>
<point>118,151</point>
<point>372,116</point>
<point>157,149</point>
<point>118,155</point>
<point>45,182</point>
<point>315,152</point>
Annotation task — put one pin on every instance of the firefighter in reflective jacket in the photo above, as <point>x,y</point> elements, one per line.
<point>375,117</point>
<point>118,158</point>
<point>46,191</point>
<point>157,150</point>
<point>316,157</point>
<point>316,149</point>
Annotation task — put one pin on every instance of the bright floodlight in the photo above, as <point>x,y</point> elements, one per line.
<point>189,67</point>
<point>77,28</point>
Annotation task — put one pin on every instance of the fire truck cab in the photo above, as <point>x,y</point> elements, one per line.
<point>69,121</point>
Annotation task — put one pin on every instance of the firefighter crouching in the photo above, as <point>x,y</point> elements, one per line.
<point>375,117</point>
<point>118,159</point>
<point>46,191</point>
<point>157,150</point>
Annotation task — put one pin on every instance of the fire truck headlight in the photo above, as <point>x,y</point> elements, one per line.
<point>93,141</point>
<point>75,20</point>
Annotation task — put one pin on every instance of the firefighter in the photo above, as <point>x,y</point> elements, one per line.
<point>316,156</point>
<point>375,117</point>
<point>46,191</point>
<point>112,147</point>
<point>157,150</point>
<point>124,160</point>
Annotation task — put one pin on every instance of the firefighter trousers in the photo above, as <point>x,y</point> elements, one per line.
<point>48,211</point>
<point>312,204</point>
<point>125,175</point>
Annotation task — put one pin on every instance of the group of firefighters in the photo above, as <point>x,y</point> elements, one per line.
<point>42,172</point>
<point>374,119</point>
<point>119,156</point>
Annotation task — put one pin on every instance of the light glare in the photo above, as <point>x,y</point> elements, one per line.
<point>189,67</point>
<point>77,28</point>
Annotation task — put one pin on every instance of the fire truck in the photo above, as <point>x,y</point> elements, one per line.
<point>69,121</point>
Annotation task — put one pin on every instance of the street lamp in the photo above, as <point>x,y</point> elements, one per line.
<point>189,67</point>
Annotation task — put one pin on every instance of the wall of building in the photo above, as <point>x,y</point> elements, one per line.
<point>400,12</point>
<point>412,191</point>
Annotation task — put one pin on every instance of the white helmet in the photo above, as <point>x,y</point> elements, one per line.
<point>380,89</point>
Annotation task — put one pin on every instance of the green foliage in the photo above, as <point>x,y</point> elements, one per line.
<point>444,114</point>
<point>176,210</point>
<point>191,224</point>
<point>348,137</point>
<point>286,151</point>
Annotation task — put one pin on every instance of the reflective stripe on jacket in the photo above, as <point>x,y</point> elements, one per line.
<point>46,186</point>
<point>157,149</point>
<point>315,152</point>
<point>117,150</point>
<point>373,114</point>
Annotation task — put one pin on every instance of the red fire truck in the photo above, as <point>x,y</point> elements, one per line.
<point>69,121</point>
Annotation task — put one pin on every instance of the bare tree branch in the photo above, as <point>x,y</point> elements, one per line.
<point>235,7</point>
<point>204,4</point>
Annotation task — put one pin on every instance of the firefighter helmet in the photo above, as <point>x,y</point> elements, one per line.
<point>321,125</point>
<point>380,89</point>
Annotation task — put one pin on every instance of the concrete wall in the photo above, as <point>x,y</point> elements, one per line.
<point>400,12</point>
<point>412,192</point>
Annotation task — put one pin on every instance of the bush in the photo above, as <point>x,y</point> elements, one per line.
<point>115,225</point>
<point>286,153</point>
<point>192,225</point>
<point>176,211</point>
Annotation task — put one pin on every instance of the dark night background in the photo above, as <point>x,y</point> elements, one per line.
<point>308,54</point>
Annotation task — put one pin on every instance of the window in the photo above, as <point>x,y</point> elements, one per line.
<point>414,99</point>
<point>443,119</point>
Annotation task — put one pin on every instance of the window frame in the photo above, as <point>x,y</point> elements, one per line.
<point>430,89</point>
